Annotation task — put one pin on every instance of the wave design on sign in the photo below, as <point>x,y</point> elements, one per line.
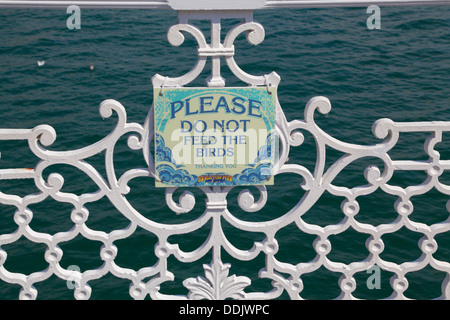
<point>265,153</point>
<point>162,152</point>
<point>169,174</point>
<point>254,175</point>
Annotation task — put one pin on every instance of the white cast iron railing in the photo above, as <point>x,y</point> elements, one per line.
<point>217,283</point>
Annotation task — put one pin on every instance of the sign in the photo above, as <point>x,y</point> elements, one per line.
<point>214,136</point>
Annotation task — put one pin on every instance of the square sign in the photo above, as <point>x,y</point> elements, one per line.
<point>214,136</point>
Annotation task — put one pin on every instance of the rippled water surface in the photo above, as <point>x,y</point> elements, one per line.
<point>401,71</point>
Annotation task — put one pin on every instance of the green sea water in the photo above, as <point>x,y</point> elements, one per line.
<point>401,72</point>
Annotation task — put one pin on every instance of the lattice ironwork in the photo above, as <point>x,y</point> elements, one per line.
<point>217,283</point>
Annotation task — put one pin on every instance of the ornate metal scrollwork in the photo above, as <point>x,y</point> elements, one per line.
<point>217,284</point>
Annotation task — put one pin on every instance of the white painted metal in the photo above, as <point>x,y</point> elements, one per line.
<point>216,4</point>
<point>347,3</point>
<point>217,283</point>
<point>212,4</point>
